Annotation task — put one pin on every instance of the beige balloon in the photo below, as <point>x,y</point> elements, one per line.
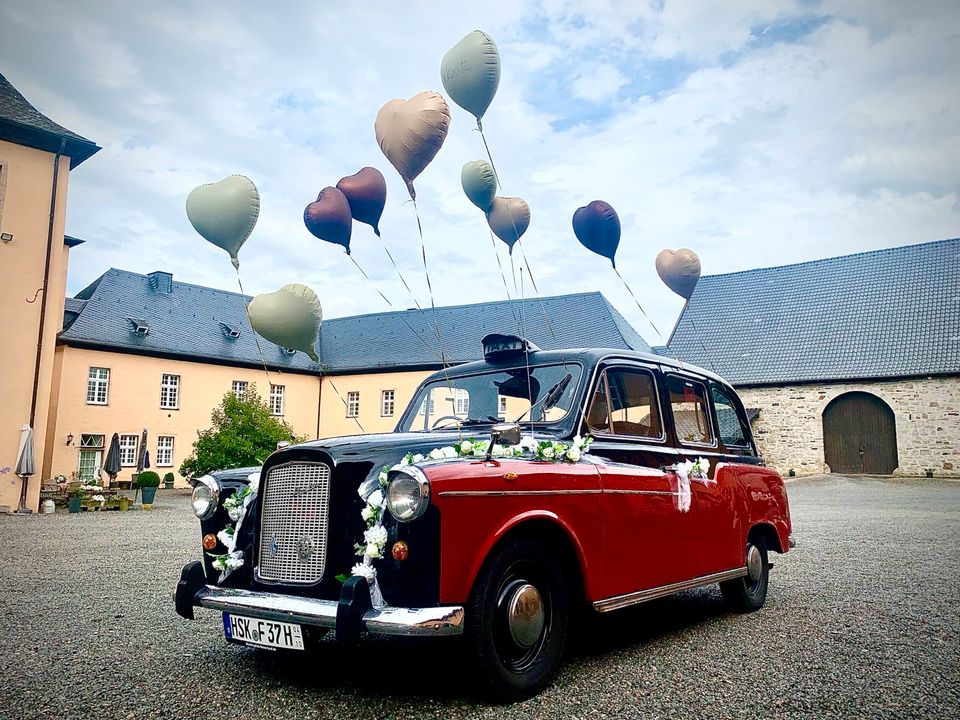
<point>679,270</point>
<point>509,218</point>
<point>411,132</point>
<point>289,317</point>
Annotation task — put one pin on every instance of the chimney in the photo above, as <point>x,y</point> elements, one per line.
<point>161,282</point>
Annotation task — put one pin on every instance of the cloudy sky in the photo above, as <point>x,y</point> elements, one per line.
<point>756,132</point>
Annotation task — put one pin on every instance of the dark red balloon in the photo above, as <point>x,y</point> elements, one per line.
<point>366,192</point>
<point>597,227</point>
<point>329,217</point>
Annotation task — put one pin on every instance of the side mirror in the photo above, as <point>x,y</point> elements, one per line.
<point>508,433</point>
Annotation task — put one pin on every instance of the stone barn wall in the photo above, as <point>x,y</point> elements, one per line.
<point>789,429</point>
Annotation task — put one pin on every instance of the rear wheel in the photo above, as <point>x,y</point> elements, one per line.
<point>517,620</point>
<point>748,593</point>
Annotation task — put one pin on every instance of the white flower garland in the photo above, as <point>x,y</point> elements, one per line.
<point>375,536</point>
<point>236,506</point>
<point>687,471</point>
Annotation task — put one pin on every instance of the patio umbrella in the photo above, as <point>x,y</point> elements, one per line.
<point>26,464</point>
<point>111,466</point>
<point>143,460</point>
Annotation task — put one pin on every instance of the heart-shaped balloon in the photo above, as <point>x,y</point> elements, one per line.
<point>479,183</point>
<point>597,227</point>
<point>225,212</point>
<point>679,270</point>
<point>470,72</point>
<point>411,132</point>
<point>329,218</point>
<point>289,317</point>
<point>509,218</point>
<point>366,191</point>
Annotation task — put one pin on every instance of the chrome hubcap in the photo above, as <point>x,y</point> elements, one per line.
<point>525,615</point>
<point>754,562</point>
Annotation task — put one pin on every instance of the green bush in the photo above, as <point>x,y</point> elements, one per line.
<point>244,433</point>
<point>168,478</point>
<point>148,478</point>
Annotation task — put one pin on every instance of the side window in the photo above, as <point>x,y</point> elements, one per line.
<point>729,426</point>
<point>691,411</point>
<point>626,404</point>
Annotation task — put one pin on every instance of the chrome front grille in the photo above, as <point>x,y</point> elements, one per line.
<point>293,523</point>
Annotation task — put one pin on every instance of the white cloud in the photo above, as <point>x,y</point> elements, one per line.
<point>598,81</point>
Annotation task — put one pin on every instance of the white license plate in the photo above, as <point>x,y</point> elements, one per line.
<point>268,633</point>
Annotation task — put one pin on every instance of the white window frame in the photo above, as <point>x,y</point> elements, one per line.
<point>502,407</point>
<point>169,389</point>
<point>277,402</point>
<point>165,450</point>
<point>90,441</point>
<point>128,452</point>
<point>461,401</point>
<point>353,403</point>
<point>388,403</point>
<point>239,388</point>
<point>98,379</point>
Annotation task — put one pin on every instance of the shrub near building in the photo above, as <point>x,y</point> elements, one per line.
<point>243,433</point>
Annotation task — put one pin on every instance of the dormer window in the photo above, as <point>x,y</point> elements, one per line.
<point>230,331</point>
<point>287,351</point>
<point>139,327</point>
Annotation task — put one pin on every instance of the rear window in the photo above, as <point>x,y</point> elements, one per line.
<point>691,411</point>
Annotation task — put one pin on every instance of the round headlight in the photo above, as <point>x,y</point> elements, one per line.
<point>408,494</point>
<point>206,496</point>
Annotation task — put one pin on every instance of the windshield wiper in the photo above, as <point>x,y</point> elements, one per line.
<point>551,398</point>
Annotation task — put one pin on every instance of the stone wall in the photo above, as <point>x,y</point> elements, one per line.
<point>789,429</point>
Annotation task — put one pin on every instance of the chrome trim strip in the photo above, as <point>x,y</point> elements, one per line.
<point>641,492</point>
<point>432,622</point>
<point>497,493</point>
<point>634,598</point>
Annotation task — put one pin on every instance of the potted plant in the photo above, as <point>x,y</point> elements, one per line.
<point>148,481</point>
<point>77,496</point>
<point>168,481</point>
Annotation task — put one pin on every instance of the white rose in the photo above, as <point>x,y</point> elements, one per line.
<point>418,458</point>
<point>376,498</point>
<point>383,478</point>
<point>376,535</point>
<point>436,454</point>
<point>466,446</point>
<point>573,454</point>
<point>528,443</point>
<point>577,441</point>
<point>449,452</point>
<point>372,551</point>
<point>548,452</point>
<point>368,513</point>
<point>497,450</point>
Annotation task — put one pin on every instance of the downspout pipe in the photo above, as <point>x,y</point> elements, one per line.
<point>46,279</point>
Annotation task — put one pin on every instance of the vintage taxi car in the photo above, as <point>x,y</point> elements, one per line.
<point>501,549</point>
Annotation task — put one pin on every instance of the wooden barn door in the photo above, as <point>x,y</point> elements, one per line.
<point>859,435</point>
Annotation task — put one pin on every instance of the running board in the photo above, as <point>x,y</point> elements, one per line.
<point>634,598</point>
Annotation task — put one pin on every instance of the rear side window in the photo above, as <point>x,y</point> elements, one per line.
<point>691,411</point>
<point>729,425</point>
<point>625,403</point>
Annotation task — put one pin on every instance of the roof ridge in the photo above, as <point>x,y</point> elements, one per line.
<point>897,248</point>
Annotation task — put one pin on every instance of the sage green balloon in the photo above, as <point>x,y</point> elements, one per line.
<point>224,213</point>
<point>470,72</point>
<point>289,317</point>
<point>479,183</point>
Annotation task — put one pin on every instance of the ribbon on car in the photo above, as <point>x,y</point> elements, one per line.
<point>683,487</point>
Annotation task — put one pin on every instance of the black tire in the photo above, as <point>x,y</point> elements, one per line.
<point>515,663</point>
<point>748,593</point>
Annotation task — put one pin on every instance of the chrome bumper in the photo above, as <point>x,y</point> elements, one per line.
<point>387,620</point>
<point>349,615</point>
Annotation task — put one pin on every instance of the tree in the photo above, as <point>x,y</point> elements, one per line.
<point>243,433</point>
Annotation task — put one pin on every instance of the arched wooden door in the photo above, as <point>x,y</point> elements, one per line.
<point>859,435</point>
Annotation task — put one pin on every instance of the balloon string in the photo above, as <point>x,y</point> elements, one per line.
<point>696,332</point>
<point>638,303</point>
<point>399,274</point>
<point>399,313</point>
<point>345,406</point>
<point>436,322</point>
<point>256,338</point>
<point>486,147</point>
<point>503,277</point>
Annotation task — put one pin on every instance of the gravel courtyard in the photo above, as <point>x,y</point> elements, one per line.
<point>863,620</point>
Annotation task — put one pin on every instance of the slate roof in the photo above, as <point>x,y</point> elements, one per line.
<point>186,322</point>
<point>880,314</point>
<point>22,123</point>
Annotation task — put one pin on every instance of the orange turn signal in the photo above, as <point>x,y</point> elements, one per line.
<point>209,541</point>
<point>400,550</point>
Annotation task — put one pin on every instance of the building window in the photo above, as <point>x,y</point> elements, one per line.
<point>170,392</point>
<point>98,386</point>
<point>353,403</point>
<point>461,402</point>
<point>239,388</point>
<point>502,412</point>
<point>164,450</point>
<point>276,399</point>
<point>91,440</point>
<point>387,402</point>
<point>128,450</point>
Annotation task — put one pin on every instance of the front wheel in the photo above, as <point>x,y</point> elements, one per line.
<point>517,620</point>
<point>748,593</point>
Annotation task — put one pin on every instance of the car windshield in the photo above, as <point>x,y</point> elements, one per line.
<point>537,394</point>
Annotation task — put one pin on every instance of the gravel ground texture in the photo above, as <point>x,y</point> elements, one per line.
<point>862,620</point>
